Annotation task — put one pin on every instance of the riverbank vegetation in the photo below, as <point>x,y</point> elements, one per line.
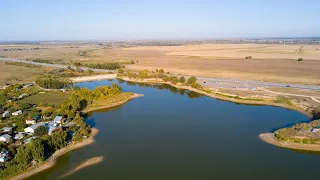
<point>29,148</point>
<point>302,133</point>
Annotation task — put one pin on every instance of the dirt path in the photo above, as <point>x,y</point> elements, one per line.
<point>52,160</point>
<point>269,138</point>
<point>288,94</point>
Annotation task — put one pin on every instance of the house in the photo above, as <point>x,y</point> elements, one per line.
<point>29,139</point>
<point>17,113</point>
<point>5,138</point>
<point>52,126</point>
<point>3,157</point>
<point>33,127</point>
<point>19,135</point>
<point>22,95</point>
<point>58,119</point>
<point>27,85</point>
<point>7,129</point>
<point>6,114</point>
<point>4,151</point>
<point>30,121</point>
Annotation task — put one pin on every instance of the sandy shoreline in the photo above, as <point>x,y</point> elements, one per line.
<point>271,139</point>
<point>112,104</point>
<point>52,160</point>
<point>93,78</point>
<point>89,162</point>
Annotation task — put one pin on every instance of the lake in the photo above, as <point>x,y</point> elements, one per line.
<point>181,135</point>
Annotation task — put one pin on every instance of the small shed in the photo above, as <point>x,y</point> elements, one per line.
<point>22,95</point>
<point>7,129</point>
<point>30,121</point>
<point>6,114</point>
<point>19,135</point>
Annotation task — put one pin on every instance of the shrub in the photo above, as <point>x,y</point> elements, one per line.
<point>192,80</point>
<point>248,57</point>
<point>300,59</point>
<point>132,62</point>
<point>182,79</point>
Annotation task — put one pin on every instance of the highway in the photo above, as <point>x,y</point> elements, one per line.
<point>206,81</point>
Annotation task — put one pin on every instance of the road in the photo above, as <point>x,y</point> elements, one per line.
<point>212,82</point>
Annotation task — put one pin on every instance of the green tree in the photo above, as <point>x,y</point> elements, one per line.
<point>182,79</point>
<point>192,80</point>
<point>40,131</point>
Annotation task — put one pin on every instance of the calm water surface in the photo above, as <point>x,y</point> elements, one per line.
<point>175,134</point>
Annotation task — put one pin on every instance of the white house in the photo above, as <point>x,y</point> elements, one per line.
<point>17,113</point>
<point>5,138</point>
<point>30,121</point>
<point>19,135</point>
<point>34,127</point>
<point>7,129</point>
<point>58,119</point>
<point>22,95</point>
<point>6,114</point>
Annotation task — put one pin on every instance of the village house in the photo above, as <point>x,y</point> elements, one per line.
<point>52,126</point>
<point>22,95</point>
<point>19,135</point>
<point>32,128</point>
<point>4,155</point>
<point>5,138</point>
<point>58,119</point>
<point>7,129</point>
<point>19,112</point>
<point>30,121</point>
<point>6,114</point>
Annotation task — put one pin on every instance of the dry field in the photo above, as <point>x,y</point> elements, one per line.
<point>277,63</point>
<point>17,74</point>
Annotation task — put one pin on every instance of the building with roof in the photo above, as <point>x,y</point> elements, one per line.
<point>17,113</point>
<point>7,129</point>
<point>4,157</point>
<point>5,138</point>
<point>58,119</point>
<point>19,135</point>
<point>22,95</point>
<point>32,128</point>
<point>30,121</point>
<point>6,114</point>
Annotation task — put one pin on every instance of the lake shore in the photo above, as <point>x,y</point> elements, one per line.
<point>271,139</point>
<point>87,110</point>
<point>220,97</point>
<point>93,78</point>
<point>52,160</point>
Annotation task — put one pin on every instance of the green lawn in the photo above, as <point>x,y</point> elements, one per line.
<point>51,97</point>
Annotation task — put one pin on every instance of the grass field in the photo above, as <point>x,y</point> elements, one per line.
<point>275,63</point>
<point>51,97</point>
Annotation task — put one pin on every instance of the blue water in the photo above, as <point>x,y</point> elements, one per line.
<point>180,135</point>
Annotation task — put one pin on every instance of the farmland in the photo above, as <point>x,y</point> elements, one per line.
<point>268,62</point>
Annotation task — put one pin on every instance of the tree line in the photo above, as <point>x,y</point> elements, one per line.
<point>53,83</point>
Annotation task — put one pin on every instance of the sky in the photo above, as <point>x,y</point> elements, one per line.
<point>153,19</point>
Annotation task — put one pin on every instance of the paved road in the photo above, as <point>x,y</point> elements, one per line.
<point>54,65</point>
<point>212,82</point>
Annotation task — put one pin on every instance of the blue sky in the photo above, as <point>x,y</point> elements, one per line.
<point>153,19</point>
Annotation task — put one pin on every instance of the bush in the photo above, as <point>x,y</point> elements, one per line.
<point>196,86</point>
<point>300,59</point>
<point>182,79</point>
<point>192,80</point>
<point>165,79</point>
<point>40,131</point>
<point>248,57</point>
<point>174,79</point>
<point>132,62</point>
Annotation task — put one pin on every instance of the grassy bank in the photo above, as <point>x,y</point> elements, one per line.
<point>50,97</point>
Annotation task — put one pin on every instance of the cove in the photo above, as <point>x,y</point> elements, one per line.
<point>176,134</point>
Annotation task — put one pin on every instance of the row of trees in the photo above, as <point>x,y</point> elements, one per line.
<point>110,65</point>
<point>53,83</point>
